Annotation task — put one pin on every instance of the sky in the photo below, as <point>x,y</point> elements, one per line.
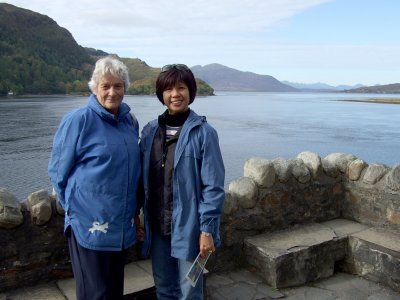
<point>304,41</point>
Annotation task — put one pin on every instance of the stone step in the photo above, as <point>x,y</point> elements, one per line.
<point>375,254</point>
<point>300,254</point>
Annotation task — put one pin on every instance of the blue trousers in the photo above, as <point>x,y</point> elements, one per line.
<point>169,273</point>
<point>99,275</point>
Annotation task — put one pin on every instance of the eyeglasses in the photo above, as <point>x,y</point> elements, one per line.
<point>180,67</point>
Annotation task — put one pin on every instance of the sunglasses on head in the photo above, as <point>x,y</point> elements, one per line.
<point>180,67</point>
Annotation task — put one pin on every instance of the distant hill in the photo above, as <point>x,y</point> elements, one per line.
<point>320,87</point>
<point>143,79</point>
<point>393,88</point>
<point>37,56</point>
<point>223,78</point>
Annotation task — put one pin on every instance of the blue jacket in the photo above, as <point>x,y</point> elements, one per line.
<point>94,169</point>
<point>198,185</point>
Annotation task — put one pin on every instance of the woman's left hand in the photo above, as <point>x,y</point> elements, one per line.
<point>206,244</point>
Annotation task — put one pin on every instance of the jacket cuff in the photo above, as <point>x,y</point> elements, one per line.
<point>207,228</point>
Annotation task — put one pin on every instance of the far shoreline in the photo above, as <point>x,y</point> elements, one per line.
<point>375,100</point>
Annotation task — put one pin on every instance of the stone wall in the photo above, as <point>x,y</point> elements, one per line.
<point>33,247</point>
<point>31,241</point>
<point>272,195</point>
<point>277,194</point>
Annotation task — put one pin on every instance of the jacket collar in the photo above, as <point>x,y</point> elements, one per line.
<point>95,105</point>
<point>192,121</point>
<point>173,120</point>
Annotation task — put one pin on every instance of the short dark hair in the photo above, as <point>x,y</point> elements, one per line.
<point>173,76</point>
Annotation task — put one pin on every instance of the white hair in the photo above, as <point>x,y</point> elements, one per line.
<point>109,65</point>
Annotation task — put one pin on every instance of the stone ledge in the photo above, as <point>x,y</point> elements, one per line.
<point>300,254</point>
<point>375,255</point>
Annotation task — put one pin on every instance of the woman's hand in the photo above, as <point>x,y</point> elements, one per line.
<point>206,243</point>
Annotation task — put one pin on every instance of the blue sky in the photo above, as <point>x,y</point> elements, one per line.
<point>305,41</point>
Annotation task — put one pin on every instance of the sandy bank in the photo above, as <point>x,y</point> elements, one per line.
<point>376,100</point>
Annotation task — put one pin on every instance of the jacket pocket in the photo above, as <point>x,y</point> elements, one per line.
<point>191,151</point>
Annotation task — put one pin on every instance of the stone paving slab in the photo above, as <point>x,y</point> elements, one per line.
<point>342,286</point>
<point>67,288</point>
<point>245,285</point>
<point>39,292</point>
<point>138,277</point>
<point>344,228</point>
<point>240,284</point>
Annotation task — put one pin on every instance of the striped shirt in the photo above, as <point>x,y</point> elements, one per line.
<point>171,131</point>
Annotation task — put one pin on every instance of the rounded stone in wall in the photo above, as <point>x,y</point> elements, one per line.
<point>261,170</point>
<point>374,173</point>
<point>230,203</point>
<point>246,191</point>
<point>37,197</point>
<point>312,161</point>
<point>283,168</point>
<point>355,168</point>
<point>39,204</point>
<point>330,168</point>
<point>300,171</point>
<point>10,210</point>
<point>393,178</point>
<point>41,212</point>
<point>59,208</point>
<point>341,160</point>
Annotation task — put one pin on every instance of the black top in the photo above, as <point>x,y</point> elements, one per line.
<point>161,172</point>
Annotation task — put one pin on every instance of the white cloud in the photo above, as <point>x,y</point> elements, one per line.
<point>161,30</point>
<point>170,17</point>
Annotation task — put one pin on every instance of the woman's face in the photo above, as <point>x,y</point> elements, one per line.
<point>110,92</point>
<point>176,98</point>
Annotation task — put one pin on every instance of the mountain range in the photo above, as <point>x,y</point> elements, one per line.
<point>223,78</point>
<point>320,87</point>
<point>393,88</point>
<point>37,56</point>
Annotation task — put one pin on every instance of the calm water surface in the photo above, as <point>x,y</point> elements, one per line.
<point>269,125</point>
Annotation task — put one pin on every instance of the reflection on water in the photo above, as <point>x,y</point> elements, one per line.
<point>269,125</point>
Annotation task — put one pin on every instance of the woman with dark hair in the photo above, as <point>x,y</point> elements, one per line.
<point>183,176</point>
<point>95,168</point>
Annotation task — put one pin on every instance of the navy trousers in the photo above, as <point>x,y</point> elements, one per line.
<point>99,275</point>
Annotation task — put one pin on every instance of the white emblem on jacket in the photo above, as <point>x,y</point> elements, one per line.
<point>100,227</point>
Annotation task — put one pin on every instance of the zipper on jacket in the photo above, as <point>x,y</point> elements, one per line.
<point>164,155</point>
<point>163,158</point>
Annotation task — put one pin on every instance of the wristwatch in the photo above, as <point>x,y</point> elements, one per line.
<point>205,233</point>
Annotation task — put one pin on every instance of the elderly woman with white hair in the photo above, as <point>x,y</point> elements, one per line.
<point>95,169</point>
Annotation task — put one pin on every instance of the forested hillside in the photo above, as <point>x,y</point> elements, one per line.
<point>39,57</point>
